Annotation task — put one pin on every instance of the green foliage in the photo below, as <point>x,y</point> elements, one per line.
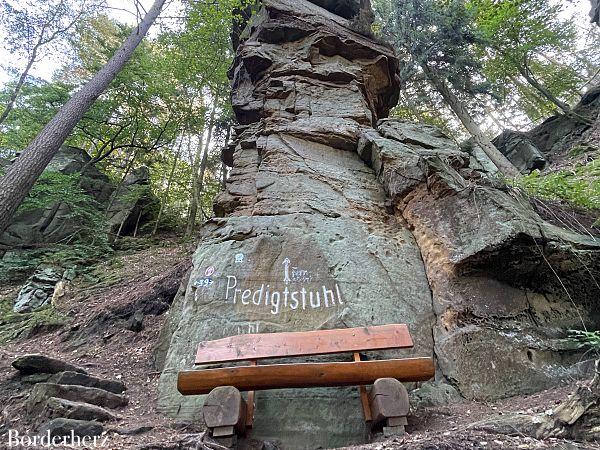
<point>35,106</point>
<point>55,189</point>
<point>163,96</point>
<point>528,36</point>
<point>579,185</point>
<point>18,326</point>
<point>585,339</point>
<point>89,242</point>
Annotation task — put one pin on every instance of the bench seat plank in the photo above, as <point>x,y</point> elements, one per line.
<point>302,375</point>
<point>307,343</point>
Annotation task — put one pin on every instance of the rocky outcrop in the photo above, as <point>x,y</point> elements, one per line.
<point>557,137</point>
<point>67,409</point>
<point>128,207</point>
<point>81,379</point>
<point>303,218</point>
<point>517,147</point>
<point>335,217</point>
<point>595,12</point>
<point>43,391</point>
<point>68,427</point>
<point>37,291</point>
<point>132,204</point>
<point>506,285</point>
<point>65,400</point>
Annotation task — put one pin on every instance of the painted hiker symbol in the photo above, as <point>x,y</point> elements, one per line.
<point>286,276</point>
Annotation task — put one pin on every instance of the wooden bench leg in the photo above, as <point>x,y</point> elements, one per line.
<point>225,412</point>
<point>364,397</point>
<point>251,401</point>
<point>389,406</point>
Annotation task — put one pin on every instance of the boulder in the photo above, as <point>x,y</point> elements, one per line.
<point>129,207</point>
<point>80,379</point>
<point>52,223</point>
<point>131,204</point>
<point>560,135</point>
<point>433,394</point>
<point>61,408</point>
<point>30,364</point>
<point>520,151</point>
<point>43,391</point>
<point>38,290</point>
<point>69,427</point>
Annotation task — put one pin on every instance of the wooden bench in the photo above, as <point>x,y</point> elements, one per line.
<point>227,413</point>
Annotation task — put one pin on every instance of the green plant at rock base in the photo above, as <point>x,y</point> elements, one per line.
<point>585,339</point>
<point>579,185</point>
<point>14,325</point>
<point>87,244</point>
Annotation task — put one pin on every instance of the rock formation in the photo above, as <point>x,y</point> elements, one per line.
<point>128,206</point>
<point>557,137</point>
<point>66,399</point>
<point>335,217</point>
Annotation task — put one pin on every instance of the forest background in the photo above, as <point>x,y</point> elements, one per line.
<point>471,67</point>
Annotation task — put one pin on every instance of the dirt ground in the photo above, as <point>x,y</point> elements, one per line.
<point>114,352</point>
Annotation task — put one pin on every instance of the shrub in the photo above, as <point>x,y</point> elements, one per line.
<point>579,185</point>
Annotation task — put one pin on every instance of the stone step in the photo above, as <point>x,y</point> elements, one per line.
<point>80,379</point>
<point>34,363</point>
<point>43,391</point>
<point>64,427</point>
<point>60,408</point>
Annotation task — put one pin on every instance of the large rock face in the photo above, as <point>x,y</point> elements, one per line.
<point>506,285</point>
<point>129,206</point>
<point>307,242</point>
<point>335,217</point>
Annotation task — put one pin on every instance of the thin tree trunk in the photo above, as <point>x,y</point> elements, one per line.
<point>128,166</point>
<point>21,176</point>
<point>501,161</point>
<point>168,188</point>
<point>20,82</point>
<point>543,90</point>
<point>530,97</point>
<point>199,185</point>
<point>528,75</point>
<point>491,115</point>
<point>137,223</point>
<point>193,207</point>
<point>223,165</point>
<point>199,182</point>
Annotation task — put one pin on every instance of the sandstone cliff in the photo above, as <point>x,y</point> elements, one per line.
<point>353,219</point>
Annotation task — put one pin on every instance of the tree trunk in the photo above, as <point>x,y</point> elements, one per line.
<point>501,161</point>
<point>524,71</point>
<point>21,176</point>
<point>168,188</point>
<point>223,165</point>
<point>20,82</point>
<point>528,75</point>
<point>198,183</point>
<point>128,166</point>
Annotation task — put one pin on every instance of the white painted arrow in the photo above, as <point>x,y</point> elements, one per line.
<point>286,277</point>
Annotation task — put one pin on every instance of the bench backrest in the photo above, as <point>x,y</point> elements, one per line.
<point>305,343</point>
